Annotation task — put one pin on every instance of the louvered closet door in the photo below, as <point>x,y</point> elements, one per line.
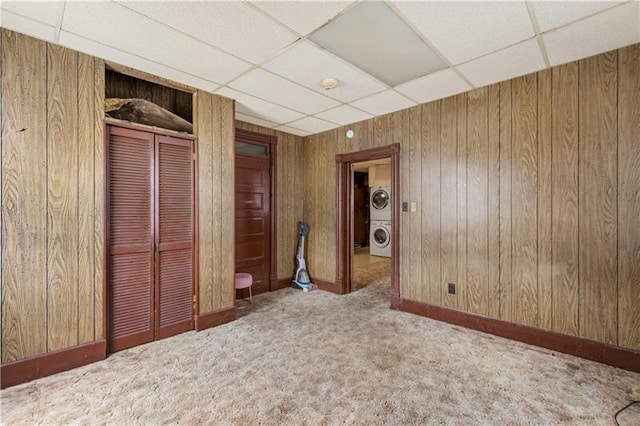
<point>174,235</point>
<point>131,254</point>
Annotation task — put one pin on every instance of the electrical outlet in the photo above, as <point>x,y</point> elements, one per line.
<point>414,207</point>
<point>452,288</point>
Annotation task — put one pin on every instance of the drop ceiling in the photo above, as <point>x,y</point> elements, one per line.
<point>272,56</point>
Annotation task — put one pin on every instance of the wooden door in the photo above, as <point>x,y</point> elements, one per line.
<point>253,219</point>
<point>151,236</point>
<point>174,236</point>
<point>131,246</point>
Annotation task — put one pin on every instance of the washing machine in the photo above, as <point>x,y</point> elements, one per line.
<point>380,241</point>
<point>380,203</point>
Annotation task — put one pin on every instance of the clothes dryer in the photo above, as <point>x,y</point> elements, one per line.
<point>380,241</point>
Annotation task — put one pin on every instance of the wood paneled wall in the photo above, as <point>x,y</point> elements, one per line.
<point>213,123</point>
<point>52,197</point>
<point>52,180</point>
<point>528,194</point>
<point>290,188</point>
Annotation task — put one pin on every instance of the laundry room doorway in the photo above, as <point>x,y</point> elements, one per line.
<point>368,202</point>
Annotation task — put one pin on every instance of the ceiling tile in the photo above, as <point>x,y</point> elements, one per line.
<point>276,89</point>
<point>254,120</point>
<point>72,41</point>
<point>344,114</point>
<point>304,16</point>
<point>309,65</point>
<point>114,25</point>
<point>312,125</point>
<point>375,39</point>
<point>434,86</point>
<point>554,14</point>
<point>19,23</point>
<point>255,107</point>
<point>523,58</point>
<point>466,30</point>
<point>608,30</point>
<point>259,38</point>
<point>293,130</point>
<point>383,103</point>
<point>45,12</point>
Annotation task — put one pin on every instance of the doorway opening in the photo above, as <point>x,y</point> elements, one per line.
<point>349,214</point>
<point>371,258</point>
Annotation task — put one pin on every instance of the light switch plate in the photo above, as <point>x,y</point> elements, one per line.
<point>414,207</point>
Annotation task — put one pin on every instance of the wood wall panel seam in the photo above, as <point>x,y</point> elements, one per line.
<point>628,298</point>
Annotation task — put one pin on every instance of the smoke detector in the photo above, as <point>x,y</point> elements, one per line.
<point>329,83</point>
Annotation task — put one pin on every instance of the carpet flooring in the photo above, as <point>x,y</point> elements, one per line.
<point>317,358</point>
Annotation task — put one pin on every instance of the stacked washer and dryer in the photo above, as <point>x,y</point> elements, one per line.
<point>380,215</point>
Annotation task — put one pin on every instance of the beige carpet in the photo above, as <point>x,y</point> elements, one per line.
<point>317,358</point>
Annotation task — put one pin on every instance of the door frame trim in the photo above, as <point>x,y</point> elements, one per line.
<point>344,216</point>
<point>271,142</point>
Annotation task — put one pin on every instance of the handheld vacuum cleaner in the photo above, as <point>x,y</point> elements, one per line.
<point>301,280</point>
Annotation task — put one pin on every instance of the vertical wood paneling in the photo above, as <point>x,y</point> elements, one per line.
<point>227,192</point>
<point>524,201</point>
<point>504,295</point>
<point>493,210</point>
<point>461,195</point>
<point>216,207</point>
<point>401,136</point>
<point>85,259</point>
<point>544,200</point>
<point>430,207</point>
<point>98,198</point>
<point>598,197</point>
<point>448,212</point>
<point>629,197</point>
<point>477,199</point>
<point>203,128</point>
<point>62,212</point>
<point>24,197</point>
<point>415,226</point>
<point>564,203</point>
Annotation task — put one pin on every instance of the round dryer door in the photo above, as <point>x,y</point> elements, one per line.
<point>381,237</point>
<point>379,199</point>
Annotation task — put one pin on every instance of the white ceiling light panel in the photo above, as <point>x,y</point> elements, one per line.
<point>89,47</point>
<point>375,39</point>
<point>253,106</point>
<point>234,27</point>
<point>113,25</point>
<point>554,14</point>
<point>466,30</point>
<point>344,114</point>
<point>434,86</point>
<point>304,16</point>
<point>273,88</point>
<point>605,31</point>
<point>383,103</point>
<point>514,61</point>
<point>313,64</point>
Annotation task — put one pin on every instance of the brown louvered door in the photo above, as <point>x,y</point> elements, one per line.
<point>174,236</point>
<point>131,253</point>
<point>151,243</point>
